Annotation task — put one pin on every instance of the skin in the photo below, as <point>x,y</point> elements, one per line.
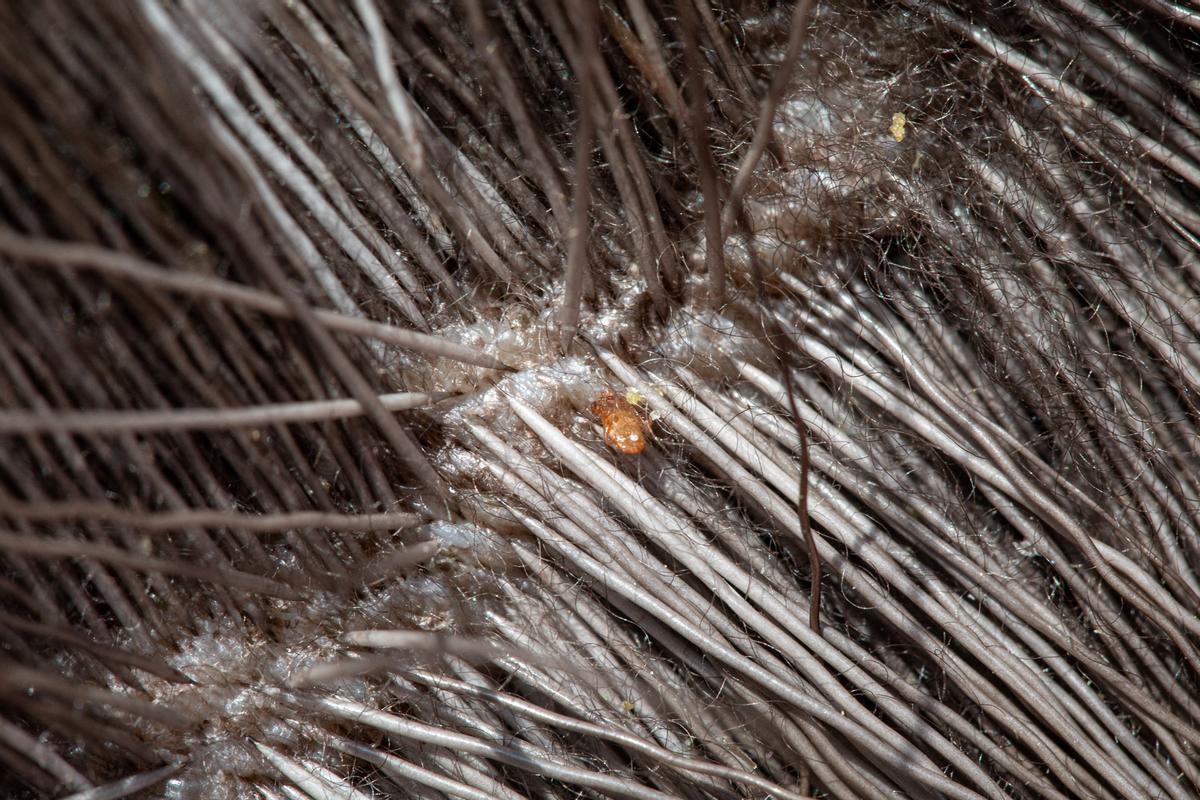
<point>974,350</point>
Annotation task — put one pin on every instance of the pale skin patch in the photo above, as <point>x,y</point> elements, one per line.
<point>624,429</point>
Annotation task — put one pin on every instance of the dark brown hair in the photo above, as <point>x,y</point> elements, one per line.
<point>304,306</point>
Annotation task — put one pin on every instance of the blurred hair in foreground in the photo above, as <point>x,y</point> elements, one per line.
<point>305,305</point>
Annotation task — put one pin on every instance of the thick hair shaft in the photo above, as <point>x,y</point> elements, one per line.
<point>638,400</point>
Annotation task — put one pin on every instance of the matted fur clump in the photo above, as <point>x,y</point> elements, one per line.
<point>635,400</point>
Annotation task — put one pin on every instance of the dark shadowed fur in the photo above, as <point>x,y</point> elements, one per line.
<point>304,306</point>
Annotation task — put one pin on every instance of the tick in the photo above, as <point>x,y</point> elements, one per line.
<point>624,429</point>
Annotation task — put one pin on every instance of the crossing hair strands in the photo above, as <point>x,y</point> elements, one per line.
<point>304,306</point>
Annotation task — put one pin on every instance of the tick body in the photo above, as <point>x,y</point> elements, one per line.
<point>624,429</point>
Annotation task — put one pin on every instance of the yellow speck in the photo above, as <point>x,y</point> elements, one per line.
<point>627,705</point>
<point>898,123</point>
<point>634,397</point>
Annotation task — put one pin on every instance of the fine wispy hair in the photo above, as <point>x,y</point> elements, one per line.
<point>305,306</point>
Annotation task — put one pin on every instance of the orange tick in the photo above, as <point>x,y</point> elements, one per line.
<point>624,429</point>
